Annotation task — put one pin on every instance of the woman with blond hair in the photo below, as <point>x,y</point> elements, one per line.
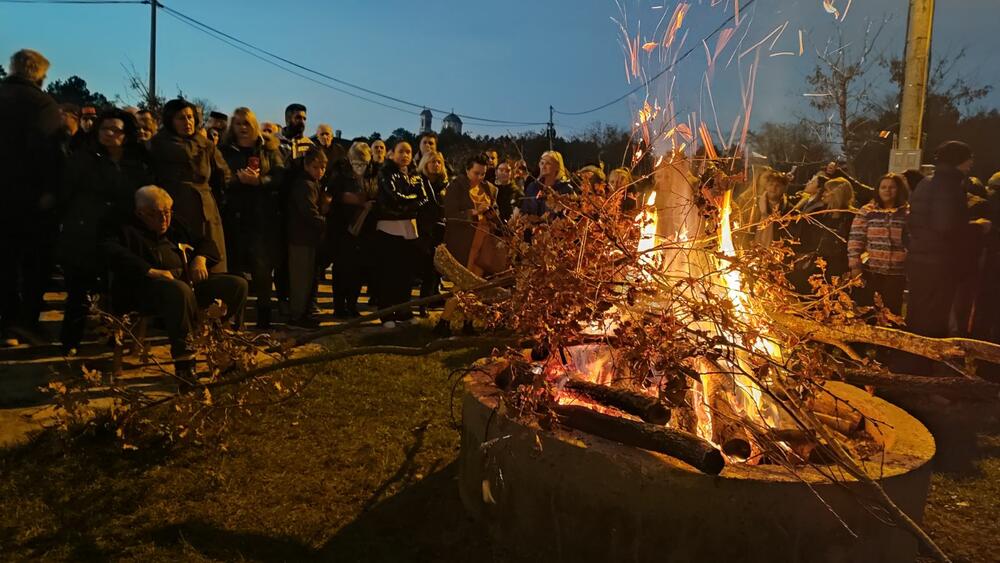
<point>552,178</point>
<point>430,221</point>
<point>770,206</point>
<point>875,250</point>
<point>824,236</point>
<point>252,211</point>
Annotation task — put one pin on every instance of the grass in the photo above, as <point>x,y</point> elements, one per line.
<point>360,468</point>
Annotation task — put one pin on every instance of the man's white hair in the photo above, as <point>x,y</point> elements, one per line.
<point>151,196</point>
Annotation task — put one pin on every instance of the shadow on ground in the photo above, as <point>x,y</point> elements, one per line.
<point>425,521</point>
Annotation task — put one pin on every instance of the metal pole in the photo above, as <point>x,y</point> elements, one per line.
<point>552,129</point>
<point>911,110</point>
<point>152,54</point>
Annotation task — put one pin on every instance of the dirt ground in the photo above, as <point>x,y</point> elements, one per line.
<point>361,467</point>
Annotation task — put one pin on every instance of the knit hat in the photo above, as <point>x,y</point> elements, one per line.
<point>952,153</point>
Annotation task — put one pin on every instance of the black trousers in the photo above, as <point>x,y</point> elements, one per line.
<point>26,258</point>
<point>81,285</point>
<point>347,272</point>
<point>262,277</point>
<point>178,304</point>
<point>932,294</point>
<point>890,288</point>
<point>397,258</point>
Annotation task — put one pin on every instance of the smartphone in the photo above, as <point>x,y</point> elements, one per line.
<point>253,163</point>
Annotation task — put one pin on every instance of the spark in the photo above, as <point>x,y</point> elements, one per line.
<point>831,9</point>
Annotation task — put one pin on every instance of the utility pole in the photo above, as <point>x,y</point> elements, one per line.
<point>907,152</point>
<point>551,131</point>
<point>152,54</point>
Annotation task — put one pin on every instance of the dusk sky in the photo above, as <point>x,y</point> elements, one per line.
<point>499,60</point>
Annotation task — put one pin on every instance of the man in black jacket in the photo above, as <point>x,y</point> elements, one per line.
<point>160,268</point>
<point>29,122</point>
<point>941,233</point>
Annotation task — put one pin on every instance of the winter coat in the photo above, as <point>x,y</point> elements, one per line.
<point>462,216</point>
<point>508,197</point>
<point>880,234</point>
<point>825,236</point>
<point>938,224</point>
<point>305,222</point>
<point>29,155</point>
<point>252,214</point>
<point>184,166</point>
<point>98,196</point>
<point>342,216</point>
<point>400,195</point>
<point>132,250</point>
<point>293,146</point>
<point>430,219</point>
<point>535,196</point>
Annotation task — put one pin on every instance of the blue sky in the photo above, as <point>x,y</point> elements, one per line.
<point>503,60</point>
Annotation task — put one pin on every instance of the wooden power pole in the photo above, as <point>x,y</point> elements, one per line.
<point>907,152</point>
<point>152,54</point>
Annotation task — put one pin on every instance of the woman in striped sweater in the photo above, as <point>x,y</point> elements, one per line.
<point>876,248</point>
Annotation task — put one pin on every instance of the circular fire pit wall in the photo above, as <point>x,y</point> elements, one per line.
<point>568,496</point>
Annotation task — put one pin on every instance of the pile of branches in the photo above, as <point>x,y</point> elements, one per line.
<point>674,328</point>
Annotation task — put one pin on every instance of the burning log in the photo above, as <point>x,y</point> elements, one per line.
<point>686,447</point>
<point>727,426</point>
<point>645,407</point>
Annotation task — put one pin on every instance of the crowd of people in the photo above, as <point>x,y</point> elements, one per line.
<point>165,214</point>
<point>927,242</point>
<point>168,213</point>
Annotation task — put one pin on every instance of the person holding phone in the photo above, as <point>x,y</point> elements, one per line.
<point>252,212</point>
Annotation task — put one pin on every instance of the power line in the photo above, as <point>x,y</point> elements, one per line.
<point>337,80</point>
<point>667,69</point>
<point>270,62</point>
<point>304,76</point>
<point>74,1</point>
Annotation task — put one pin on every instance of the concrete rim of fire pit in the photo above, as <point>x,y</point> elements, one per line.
<point>563,495</point>
<point>909,445</point>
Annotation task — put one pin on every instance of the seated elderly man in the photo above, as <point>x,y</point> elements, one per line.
<point>160,268</point>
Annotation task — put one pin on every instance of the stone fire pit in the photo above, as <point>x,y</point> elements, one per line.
<point>563,495</point>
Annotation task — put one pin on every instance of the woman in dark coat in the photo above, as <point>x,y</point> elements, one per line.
<point>350,227</point>
<point>185,162</point>
<point>434,170</point>
<point>98,187</point>
<point>552,177</point>
<point>252,211</point>
<point>400,197</point>
<point>824,235</point>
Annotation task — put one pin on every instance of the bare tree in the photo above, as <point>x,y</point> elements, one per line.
<point>844,89</point>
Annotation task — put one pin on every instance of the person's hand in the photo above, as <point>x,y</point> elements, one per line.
<point>248,176</point>
<point>199,269</point>
<point>985,225</point>
<point>159,274</point>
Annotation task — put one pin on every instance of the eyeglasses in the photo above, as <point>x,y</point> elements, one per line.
<point>113,130</point>
<point>157,213</point>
